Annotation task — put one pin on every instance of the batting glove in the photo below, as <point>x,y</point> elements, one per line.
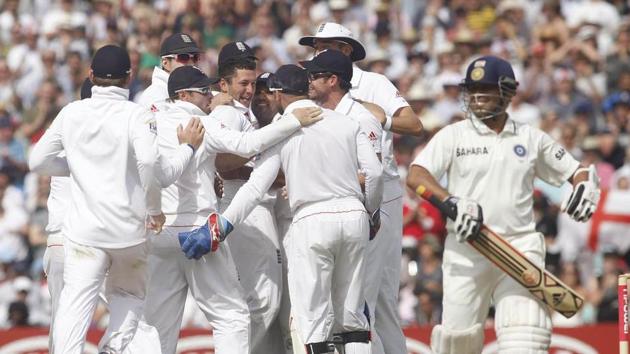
<point>581,204</point>
<point>375,223</point>
<point>197,242</point>
<point>469,218</point>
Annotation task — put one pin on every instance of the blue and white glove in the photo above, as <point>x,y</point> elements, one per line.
<point>469,218</point>
<point>582,202</point>
<point>198,242</point>
<point>375,223</point>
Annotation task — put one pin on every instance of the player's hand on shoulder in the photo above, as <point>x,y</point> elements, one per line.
<point>469,217</point>
<point>308,115</point>
<point>155,222</point>
<point>221,99</point>
<point>192,134</point>
<point>198,242</point>
<point>582,202</point>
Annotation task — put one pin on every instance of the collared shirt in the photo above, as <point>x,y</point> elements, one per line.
<point>376,88</point>
<point>497,170</point>
<point>367,122</point>
<point>111,154</point>
<point>157,91</point>
<point>191,198</point>
<point>320,163</point>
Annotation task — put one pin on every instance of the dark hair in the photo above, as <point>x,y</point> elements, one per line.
<point>344,85</point>
<point>121,82</point>
<point>228,69</point>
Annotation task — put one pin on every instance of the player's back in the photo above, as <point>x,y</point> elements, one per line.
<point>320,161</point>
<point>108,206</point>
<point>191,198</point>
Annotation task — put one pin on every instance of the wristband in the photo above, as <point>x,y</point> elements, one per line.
<point>192,147</point>
<point>388,123</point>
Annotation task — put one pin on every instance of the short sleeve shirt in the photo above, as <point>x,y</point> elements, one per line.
<point>497,170</point>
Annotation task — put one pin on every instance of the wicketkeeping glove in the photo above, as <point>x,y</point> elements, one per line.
<point>581,204</point>
<point>375,223</point>
<point>197,242</point>
<point>469,218</point>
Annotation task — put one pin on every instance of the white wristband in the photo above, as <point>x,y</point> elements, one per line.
<point>388,123</point>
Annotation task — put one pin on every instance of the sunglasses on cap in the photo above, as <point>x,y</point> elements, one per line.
<point>184,57</point>
<point>201,90</point>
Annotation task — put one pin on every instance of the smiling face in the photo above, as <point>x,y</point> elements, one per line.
<point>241,85</point>
<point>264,105</point>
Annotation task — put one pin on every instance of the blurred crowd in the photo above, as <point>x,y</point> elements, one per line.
<point>571,57</point>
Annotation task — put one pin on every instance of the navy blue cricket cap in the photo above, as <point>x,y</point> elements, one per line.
<point>290,79</point>
<point>263,79</point>
<point>179,43</point>
<point>488,70</point>
<point>187,77</point>
<point>234,52</point>
<point>111,62</point>
<point>330,61</point>
<point>86,88</point>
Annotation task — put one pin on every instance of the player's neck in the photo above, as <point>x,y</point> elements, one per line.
<point>497,122</point>
<point>334,97</point>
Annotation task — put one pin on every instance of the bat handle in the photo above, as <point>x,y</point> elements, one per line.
<point>445,208</point>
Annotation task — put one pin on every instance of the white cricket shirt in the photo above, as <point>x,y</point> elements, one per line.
<point>320,163</point>
<point>58,203</point>
<point>367,122</point>
<point>376,88</point>
<point>497,170</point>
<point>157,91</point>
<point>111,154</point>
<point>191,198</point>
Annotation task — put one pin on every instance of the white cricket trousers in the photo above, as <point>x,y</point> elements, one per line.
<point>214,285</point>
<point>256,252</point>
<point>471,282</point>
<point>326,248</point>
<point>85,269</point>
<point>383,275</point>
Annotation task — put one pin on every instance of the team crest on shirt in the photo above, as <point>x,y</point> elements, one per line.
<point>520,150</point>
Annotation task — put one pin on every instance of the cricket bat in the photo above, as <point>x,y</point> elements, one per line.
<point>541,283</point>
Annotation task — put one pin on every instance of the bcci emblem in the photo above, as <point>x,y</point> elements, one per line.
<point>477,74</point>
<point>520,150</point>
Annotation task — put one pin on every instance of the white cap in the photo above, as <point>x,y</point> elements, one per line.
<point>331,30</point>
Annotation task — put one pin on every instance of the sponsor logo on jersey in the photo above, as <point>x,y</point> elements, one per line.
<point>465,151</point>
<point>153,108</point>
<point>153,126</point>
<point>520,150</point>
<point>560,154</point>
<point>372,136</point>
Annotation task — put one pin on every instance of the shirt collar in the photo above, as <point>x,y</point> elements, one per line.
<point>299,104</point>
<point>159,75</point>
<point>189,108</point>
<point>110,92</point>
<point>481,128</point>
<point>345,105</point>
<point>357,74</point>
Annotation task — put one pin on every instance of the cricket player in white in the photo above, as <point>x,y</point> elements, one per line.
<point>178,49</point>
<point>256,250</point>
<point>491,162</point>
<point>213,280</point>
<point>383,280</point>
<point>112,158</point>
<point>327,242</point>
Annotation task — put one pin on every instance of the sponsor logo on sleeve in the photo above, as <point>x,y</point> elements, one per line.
<point>560,153</point>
